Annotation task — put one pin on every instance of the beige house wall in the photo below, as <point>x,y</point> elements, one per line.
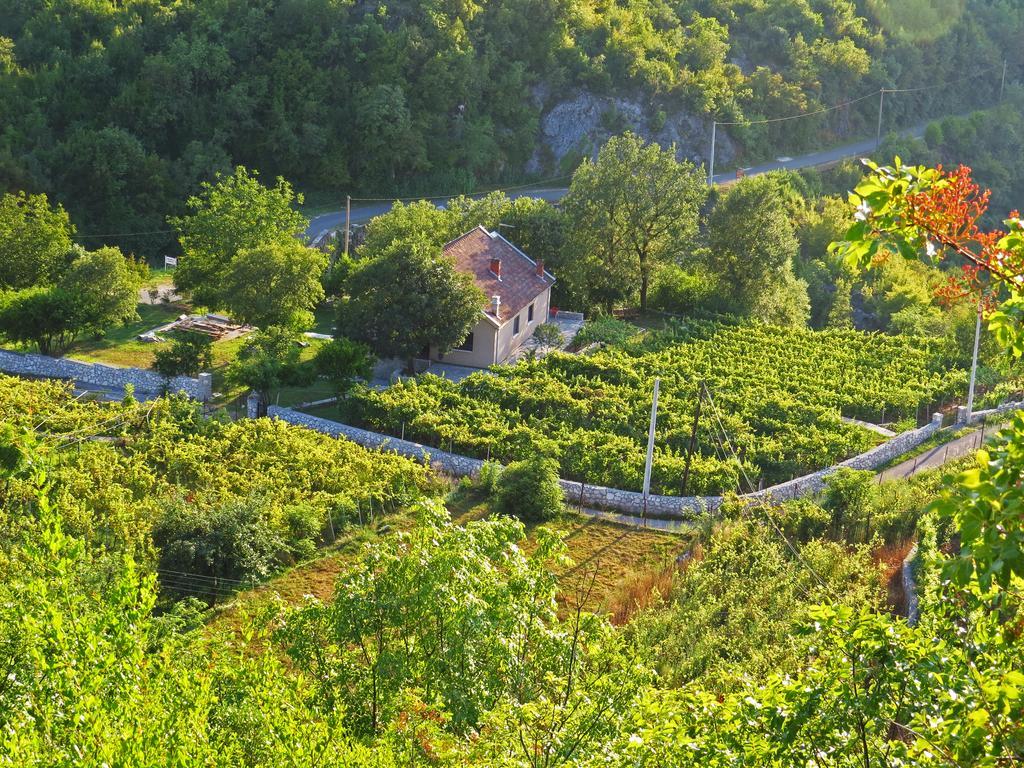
<point>507,343</point>
<point>482,356</point>
<point>493,345</point>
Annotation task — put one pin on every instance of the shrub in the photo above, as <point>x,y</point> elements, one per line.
<point>675,289</point>
<point>342,362</point>
<point>529,490</point>
<point>548,335</point>
<point>487,480</point>
<point>188,355</point>
<point>605,329</point>
<point>205,551</point>
<point>849,496</point>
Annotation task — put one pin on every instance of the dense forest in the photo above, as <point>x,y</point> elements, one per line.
<point>119,110</point>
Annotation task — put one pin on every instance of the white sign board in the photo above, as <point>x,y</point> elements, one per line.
<point>170,261</point>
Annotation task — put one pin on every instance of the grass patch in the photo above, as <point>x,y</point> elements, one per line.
<point>159,277</point>
<point>614,566</point>
<point>324,318</point>
<point>119,346</point>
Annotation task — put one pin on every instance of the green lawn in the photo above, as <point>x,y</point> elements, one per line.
<point>119,345</point>
<point>324,318</point>
<point>159,277</point>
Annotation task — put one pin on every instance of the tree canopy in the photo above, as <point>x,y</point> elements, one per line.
<point>408,298</point>
<point>234,214</point>
<point>633,209</point>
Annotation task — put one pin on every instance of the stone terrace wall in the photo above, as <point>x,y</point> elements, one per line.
<point>813,483</point>
<point>104,376</point>
<point>629,502</point>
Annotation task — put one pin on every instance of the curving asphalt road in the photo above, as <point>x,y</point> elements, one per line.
<point>363,212</point>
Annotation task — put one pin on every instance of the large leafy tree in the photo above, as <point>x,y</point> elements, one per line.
<point>274,283</point>
<point>99,290</point>
<point>35,241</point>
<point>234,214</point>
<point>409,297</point>
<point>751,247</point>
<point>465,617</point>
<point>632,210</point>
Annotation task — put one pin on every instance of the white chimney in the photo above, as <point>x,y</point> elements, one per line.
<point>495,304</point>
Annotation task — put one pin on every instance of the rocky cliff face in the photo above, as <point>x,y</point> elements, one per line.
<point>577,126</point>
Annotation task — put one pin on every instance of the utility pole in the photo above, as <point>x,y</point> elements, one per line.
<point>348,219</point>
<point>1002,83</point>
<point>711,164</point>
<point>693,438</point>
<point>650,444</point>
<point>881,104</point>
<point>974,365</point>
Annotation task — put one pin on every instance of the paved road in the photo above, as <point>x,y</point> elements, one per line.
<point>363,212</point>
<point>939,455</point>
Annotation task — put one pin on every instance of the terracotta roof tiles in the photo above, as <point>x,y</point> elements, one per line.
<point>519,283</point>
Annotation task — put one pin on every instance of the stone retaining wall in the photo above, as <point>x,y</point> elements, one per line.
<point>630,502</point>
<point>103,376</point>
<point>979,416</point>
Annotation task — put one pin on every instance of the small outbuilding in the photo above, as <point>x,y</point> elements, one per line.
<point>518,290</point>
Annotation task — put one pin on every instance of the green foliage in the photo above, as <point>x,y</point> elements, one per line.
<point>548,335</point>
<point>120,112</point>
<point>234,218</point>
<point>751,248</point>
<point>408,298</point>
<point>529,490</point>
<point>35,241</point>
<point>189,355</point>
<point>274,284</point>
<point>735,612</point>
<point>778,391</point>
<point>93,679</point>
<point>605,329</point>
<point>461,616</point>
<point>985,506</point>
<point>97,290</point>
<point>632,210</point>
<point>202,549</point>
<point>343,361</point>
<point>849,497</point>
<point>150,457</point>
<point>268,360</point>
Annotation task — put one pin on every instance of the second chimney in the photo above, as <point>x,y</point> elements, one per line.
<point>496,267</point>
<point>540,268</point>
<point>495,305</point>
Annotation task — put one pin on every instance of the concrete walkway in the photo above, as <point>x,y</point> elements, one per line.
<point>939,455</point>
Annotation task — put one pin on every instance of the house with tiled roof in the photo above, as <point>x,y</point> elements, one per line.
<point>518,291</point>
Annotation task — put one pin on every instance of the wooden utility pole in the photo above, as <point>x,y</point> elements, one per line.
<point>650,444</point>
<point>693,438</point>
<point>348,221</point>
<point>881,105</point>
<point>711,159</point>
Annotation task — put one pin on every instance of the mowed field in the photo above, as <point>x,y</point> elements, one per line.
<point>613,567</point>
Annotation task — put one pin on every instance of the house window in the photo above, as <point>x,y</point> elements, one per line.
<point>467,343</point>
<point>529,314</point>
<point>515,326</point>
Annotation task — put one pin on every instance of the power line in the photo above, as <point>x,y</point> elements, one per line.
<point>459,194</point>
<point>764,506</point>
<point>859,99</point>
<point>799,116</point>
